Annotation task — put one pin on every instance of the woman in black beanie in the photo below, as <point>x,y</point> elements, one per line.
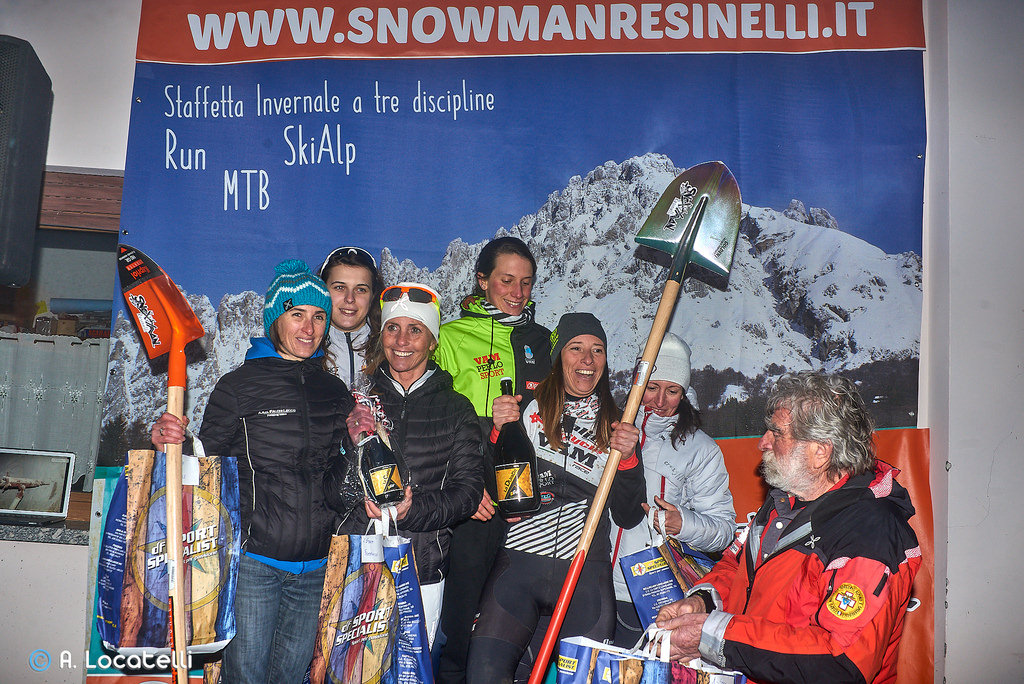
<point>573,423</point>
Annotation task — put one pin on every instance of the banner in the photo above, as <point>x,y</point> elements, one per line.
<point>259,133</point>
<point>419,131</point>
<point>221,33</point>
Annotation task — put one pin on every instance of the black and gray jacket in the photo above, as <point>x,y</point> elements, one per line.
<point>285,422</point>
<point>436,431</point>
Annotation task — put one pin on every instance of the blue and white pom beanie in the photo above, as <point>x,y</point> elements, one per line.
<point>293,286</point>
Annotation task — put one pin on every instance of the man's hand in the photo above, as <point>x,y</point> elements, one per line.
<point>685,618</point>
<point>685,637</point>
<point>690,604</point>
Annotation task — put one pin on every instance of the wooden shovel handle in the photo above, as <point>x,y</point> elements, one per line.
<point>175,552</point>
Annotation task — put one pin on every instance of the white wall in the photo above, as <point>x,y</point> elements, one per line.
<point>88,49</point>
<point>986,340</point>
<point>935,361</point>
<point>45,605</point>
<point>972,350</point>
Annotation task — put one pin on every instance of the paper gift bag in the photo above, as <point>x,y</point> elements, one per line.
<point>132,606</point>
<point>699,672</point>
<point>585,661</point>
<point>372,627</point>
<point>661,573</point>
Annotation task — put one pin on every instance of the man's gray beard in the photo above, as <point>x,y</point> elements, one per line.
<point>792,482</point>
<point>771,472</point>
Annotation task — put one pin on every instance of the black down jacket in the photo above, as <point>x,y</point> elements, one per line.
<point>284,421</point>
<point>436,430</point>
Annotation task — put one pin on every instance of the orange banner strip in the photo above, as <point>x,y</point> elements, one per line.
<point>221,32</point>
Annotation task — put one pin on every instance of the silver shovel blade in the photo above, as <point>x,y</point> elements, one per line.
<point>707,196</point>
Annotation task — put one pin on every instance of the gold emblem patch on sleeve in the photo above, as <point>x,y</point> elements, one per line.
<point>847,602</point>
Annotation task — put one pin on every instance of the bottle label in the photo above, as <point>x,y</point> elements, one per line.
<point>385,479</point>
<point>514,481</point>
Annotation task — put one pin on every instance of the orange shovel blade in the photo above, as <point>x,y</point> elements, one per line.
<point>165,320</point>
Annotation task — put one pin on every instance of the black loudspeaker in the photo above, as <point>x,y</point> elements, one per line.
<point>26,100</point>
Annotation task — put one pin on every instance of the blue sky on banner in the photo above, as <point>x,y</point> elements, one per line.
<point>844,131</point>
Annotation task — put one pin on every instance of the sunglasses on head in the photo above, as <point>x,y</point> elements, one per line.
<point>357,252</point>
<point>416,294</point>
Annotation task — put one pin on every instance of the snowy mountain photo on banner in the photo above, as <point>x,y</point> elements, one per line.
<point>802,294</point>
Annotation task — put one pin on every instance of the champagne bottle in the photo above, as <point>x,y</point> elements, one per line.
<point>515,467</point>
<point>384,472</point>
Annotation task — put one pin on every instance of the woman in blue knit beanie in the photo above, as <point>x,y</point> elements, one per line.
<point>296,311</point>
<point>282,415</point>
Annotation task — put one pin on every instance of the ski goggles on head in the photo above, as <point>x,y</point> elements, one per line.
<point>415,293</point>
<point>411,300</point>
<point>358,253</point>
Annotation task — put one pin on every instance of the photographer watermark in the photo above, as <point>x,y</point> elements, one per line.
<point>40,660</point>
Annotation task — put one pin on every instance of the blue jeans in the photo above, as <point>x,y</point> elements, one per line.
<point>276,612</point>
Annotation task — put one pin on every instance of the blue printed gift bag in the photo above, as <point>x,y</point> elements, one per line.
<point>585,661</point>
<point>132,594</point>
<point>660,574</point>
<point>372,628</point>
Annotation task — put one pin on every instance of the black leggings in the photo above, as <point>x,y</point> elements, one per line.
<point>521,588</point>
<point>474,547</point>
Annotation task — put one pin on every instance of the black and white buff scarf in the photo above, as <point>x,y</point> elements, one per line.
<point>508,319</point>
<point>585,409</point>
<point>577,413</point>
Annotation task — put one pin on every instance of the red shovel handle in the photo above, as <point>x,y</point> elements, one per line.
<point>175,553</point>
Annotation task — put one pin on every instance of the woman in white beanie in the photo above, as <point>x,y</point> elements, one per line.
<point>685,473</point>
<point>432,426</point>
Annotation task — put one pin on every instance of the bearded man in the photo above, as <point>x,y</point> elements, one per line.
<point>816,588</point>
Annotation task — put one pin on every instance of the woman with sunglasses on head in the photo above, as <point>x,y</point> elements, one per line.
<point>281,414</point>
<point>495,337</point>
<point>573,423</point>
<point>433,428</point>
<point>686,478</point>
<point>355,286</point>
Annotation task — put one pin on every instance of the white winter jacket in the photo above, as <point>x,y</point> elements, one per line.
<point>347,360</point>
<point>693,478</point>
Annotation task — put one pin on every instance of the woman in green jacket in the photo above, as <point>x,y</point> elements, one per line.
<point>495,337</point>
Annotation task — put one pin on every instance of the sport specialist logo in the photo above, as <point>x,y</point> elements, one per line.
<point>358,647</point>
<point>652,565</point>
<point>209,535</point>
